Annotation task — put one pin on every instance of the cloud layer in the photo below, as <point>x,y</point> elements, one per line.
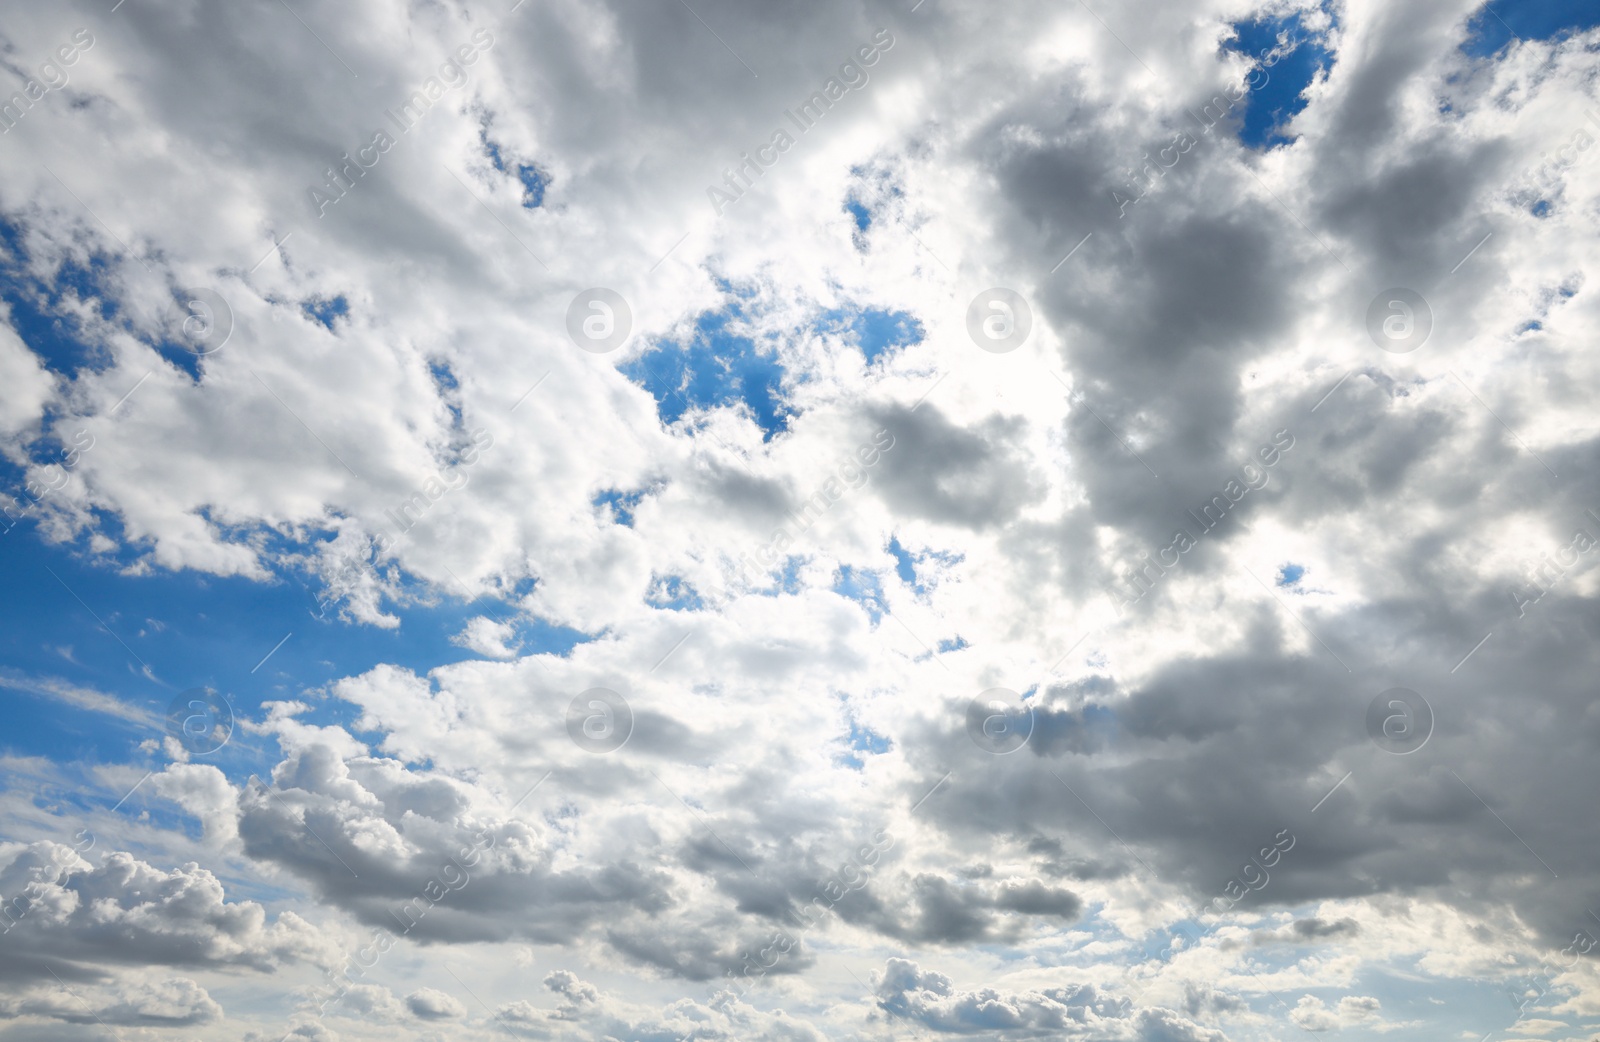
<point>731,618</point>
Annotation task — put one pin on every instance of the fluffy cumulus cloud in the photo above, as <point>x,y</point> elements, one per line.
<point>859,520</point>
<point>124,910</point>
<point>432,1004</point>
<point>174,1002</point>
<point>1313,1014</point>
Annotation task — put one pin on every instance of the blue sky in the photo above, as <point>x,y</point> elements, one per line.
<point>716,365</point>
<point>1297,56</point>
<point>194,631</point>
<point>1498,23</point>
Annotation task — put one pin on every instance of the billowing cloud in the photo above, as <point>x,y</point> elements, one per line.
<point>432,1004</point>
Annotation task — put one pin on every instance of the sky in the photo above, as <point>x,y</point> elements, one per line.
<point>858,520</point>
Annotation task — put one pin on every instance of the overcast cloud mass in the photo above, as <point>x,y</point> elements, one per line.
<point>665,520</point>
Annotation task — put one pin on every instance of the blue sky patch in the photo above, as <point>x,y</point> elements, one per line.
<point>492,150</point>
<point>873,188</point>
<point>1270,105</point>
<point>863,587</point>
<point>905,565</point>
<point>622,504</point>
<point>93,628</point>
<point>42,310</point>
<point>674,593</point>
<point>863,740</point>
<point>789,578</point>
<point>1495,24</point>
<point>39,316</point>
<point>533,184</point>
<point>721,366</point>
<point>325,310</point>
<point>876,331</point>
<point>1290,574</point>
<point>862,215</point>
<point>534,180</point>
<point>787,581</point>
<point>449,389</point>
<point>717,367</point>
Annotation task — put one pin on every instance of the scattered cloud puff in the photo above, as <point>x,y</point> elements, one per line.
<point>489,638</point>
<point>432,1004</point>
<point>1313,1014</point>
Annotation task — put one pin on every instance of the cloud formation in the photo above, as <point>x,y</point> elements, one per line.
<point>614,458</point>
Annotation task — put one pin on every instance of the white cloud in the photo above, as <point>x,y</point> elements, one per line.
<point>488,637</point>
<point>68,911</point>
<point>432,1004</point>
<point>170,1003</point>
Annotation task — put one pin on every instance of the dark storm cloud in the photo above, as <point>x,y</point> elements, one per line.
<point>965,476</point>
<point>1308,931</point>
<point>1216,757</point>
<point>1408,218</point>
<point>1180,295</point>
